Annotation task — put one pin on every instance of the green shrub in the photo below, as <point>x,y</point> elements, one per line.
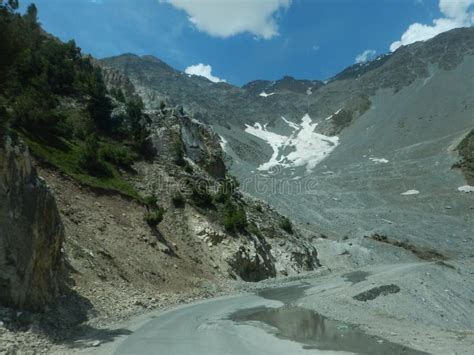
<point>90,160</point>
<point>162,105</point>
<point>33,112</point>
<point>466,151</point>
<point>150,201</point>
<point>153,218</point>
<point>234,217</point>
<point>178,199</point>
<point>118,155</point>
<point>286,225</point>
<point>252,228</point>
<point>200,194</point>
<point>118,94</point>
<point>226,189</point>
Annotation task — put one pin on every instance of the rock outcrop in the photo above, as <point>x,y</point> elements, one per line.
<point>173,132</point>
<point>31,232</point>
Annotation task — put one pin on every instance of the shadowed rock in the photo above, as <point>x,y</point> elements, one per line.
<point>31,232</point>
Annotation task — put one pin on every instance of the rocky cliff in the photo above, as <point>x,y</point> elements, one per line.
<point>31,232</point>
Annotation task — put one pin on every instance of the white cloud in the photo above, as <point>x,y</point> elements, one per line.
<point>225,18</point>
<point>456,14</point>
<point>203,70</point>
<point>365,56</point>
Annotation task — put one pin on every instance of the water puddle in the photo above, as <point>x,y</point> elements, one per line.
<point>285,294</point>
<point>318,332</point>
<point>356,276</point>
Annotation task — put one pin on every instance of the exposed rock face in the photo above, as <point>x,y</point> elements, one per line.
<point>31,232</point>
<point>172,129</point>
<point>252,266</point>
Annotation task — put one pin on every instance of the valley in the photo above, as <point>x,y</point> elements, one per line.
<point>145,208</point>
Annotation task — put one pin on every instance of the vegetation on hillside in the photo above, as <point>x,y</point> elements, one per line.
<point>466,151</point>
<point>56,100</point>
<point>234,217</point>
<point>286,225</point>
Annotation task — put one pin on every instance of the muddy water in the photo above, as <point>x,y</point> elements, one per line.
<point>285,294</point>
<point>314,331</point>
<point>356,276</point>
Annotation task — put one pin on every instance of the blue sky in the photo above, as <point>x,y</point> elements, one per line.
<point>259,39</point>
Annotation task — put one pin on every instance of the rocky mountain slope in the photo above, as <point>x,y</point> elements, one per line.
<point>139,159</point>
<point>370,150</point>
<point>131,209</point>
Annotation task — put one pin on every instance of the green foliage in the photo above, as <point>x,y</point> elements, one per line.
<point>56,99</point>
<point>466,151</point>
<point>99,105</point>
<point>65,157</point>
<point>135,120</point>
<point>151,201</point>
<point>234,217</point>
<point>90,159</point>
<point>178,199</point>
<point>118,155</point>
<point>162,105</point>
<point>118,94</point>
<point>286,225</point>
<point>33,111</point>
<point>153,218</point>
<point>200,194</point>
<point>252,228</point>
<point>226,189</point>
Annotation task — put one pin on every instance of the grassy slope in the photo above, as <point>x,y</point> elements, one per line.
<point>65,159</point>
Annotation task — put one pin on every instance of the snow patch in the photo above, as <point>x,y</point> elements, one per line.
<point>264,94</point>
<point>309,90</point>
<point>308,147</point>
<point>289,123</point>
<point>410,192</point>
<point>223,142</point>
<point>334,114</point>
<point>379,160</point>
<point>466,188</point>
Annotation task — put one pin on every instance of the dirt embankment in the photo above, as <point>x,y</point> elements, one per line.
<point>115,267</point>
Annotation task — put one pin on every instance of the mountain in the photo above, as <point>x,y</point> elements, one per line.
<point>350,149</point>
<point>119,192</point>
<point>107,209</point>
